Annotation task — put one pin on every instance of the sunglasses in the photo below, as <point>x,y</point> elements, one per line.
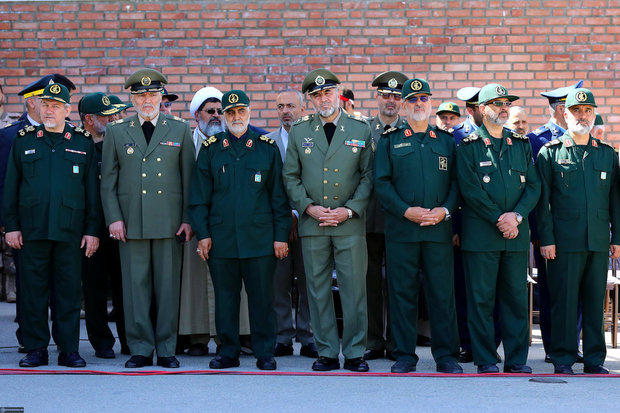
<point>387,96</point>
<point>212,111</point>
<point>499,103</point>
<point>414,99</point>
<point>166,104</point>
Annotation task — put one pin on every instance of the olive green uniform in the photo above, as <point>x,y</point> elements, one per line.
<point>238,200</point>
<point>417,170</point>
<point>333,175</point>
<point>496,176</point>
<point>51,196</point>
<point>579,198</point>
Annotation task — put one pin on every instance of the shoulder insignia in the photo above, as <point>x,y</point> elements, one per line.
<point>30,128</point>
<point>442,131</point>
<point>209,141</point>
<point>541,130</point>
<point>516,135</point>
<point>178,119</point>
<point>357,118</point>
<point>305,118</point>
<point>116,122</point>
<point>266,139</point>
<point>606,144</point>
<point>21,132</point>
<point>553,143</point>
<point>387,132</point>
<point>471,138</point>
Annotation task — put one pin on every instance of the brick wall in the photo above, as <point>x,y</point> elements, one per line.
<point>265,46</point>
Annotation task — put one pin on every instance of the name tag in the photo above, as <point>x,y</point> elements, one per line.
<point>565,162</point>
<point>307,144</point>
<point>522,178</point>
<point>401,145</point>
<point>486,163</point>
<point>29,152</point>
<point>355,142</point>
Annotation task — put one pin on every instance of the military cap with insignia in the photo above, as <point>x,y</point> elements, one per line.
<point>36,88</point>
<point>449,107</point>
<point>494,91</point>
<point>581,96</point>
<point>468,94</point>
<point>414,87</point>
<point>171,96</point>
<point>117,102</point>
<point>319,79</point>
<point>57,92</point>
<point>146,80</point>
<point>97,104</point>
<point>234,99</point>
<point>390,82</point>
<point>559,94</point>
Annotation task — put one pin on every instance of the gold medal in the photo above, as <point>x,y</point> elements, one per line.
<point>308,151</point>
<point>129,150</point>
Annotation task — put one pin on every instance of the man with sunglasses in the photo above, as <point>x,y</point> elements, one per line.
<point>416,184</point>
<point>389,96</point>
<point>166,102</point>
<point>499,187</point>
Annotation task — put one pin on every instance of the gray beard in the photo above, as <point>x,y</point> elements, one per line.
<point>579,129</point>
<point>494,118</point>
<point>211,128</point>
<point>327,113</point>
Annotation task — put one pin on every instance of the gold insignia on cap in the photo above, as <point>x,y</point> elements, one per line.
<point>55,89</point>
<point>233,98</point>
<point>581,96</point>
<point>416,85</point>
<point>146,81</point>
<point>449,106</point>
<point>500,90</point>
<point>319,81</point>
<point>105,100</point>
<point>393,83</point>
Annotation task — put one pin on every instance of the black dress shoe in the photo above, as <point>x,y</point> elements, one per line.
<point>487,369</point>
<point>168,362</point>
<point>106,353</point>
<point>266,363</point>
<point>246,344</point>
<point>283,350</point>
<point>357,364</point>
<point>466,356</point>
<point>135,362</point>
<point>325,364</point>
<point>125,350</point>
<point>595,370</point>
<point>197,350</point>
<point>309,350</point>
<point>579,357</point>
<point>548,358</point>
<point>403,366</point>
<point>35,358</point>
<point>223,362</point>
<point>518,369</point>
<point>72,359</point>
<point>563,369</point>
<point>22,350</point>
<point>371,354</point>
<point>449,367</point>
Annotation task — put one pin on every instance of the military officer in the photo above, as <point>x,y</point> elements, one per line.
<point>598,130</point>
<point>51,210</point>
<point>328,177</point>
<point>117,102</point>
<point>474,118</point>
<point>579,199</point>
<point>379,343</point>
<point>447,116</point>
<point>517,120</point>
<point>499,187</point>
<point>6,118</point>
<point>240,212</point>
<point>145,176</point>
<point>418,231</point>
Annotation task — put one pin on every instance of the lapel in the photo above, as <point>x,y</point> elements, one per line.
<point>134,131</point>
<point>160,132</point>
<point>339,136</point>
<point>277,136</point>
<point>317,135</point>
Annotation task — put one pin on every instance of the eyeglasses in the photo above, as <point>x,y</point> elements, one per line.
<point>414,99</point>
<point>166,104</point>
<point>500,103</point>
<point>387,96</point>
<point>212,111</point>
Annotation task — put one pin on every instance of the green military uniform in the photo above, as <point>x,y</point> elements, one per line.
<point>333,175</point>
<point>579,198</point>
<point>147,187</point>
<point>411,248</point>
<point>496,176</point>
<point>239,201</point>
<point>51,196</point>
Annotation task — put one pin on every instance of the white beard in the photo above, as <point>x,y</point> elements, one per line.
<point>327,113</point>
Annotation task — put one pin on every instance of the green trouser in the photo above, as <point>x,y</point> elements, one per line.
<point>571,276</point>
<point>502,274</point>
<point>151,270</point>
<point>377,296</point>
<point>404,261</point>
<point>349,256</point>
<point>57,266</point>
<point>257,276</point>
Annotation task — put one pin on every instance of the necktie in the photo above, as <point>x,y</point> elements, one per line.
<point>329,129</point>
<point>148,128</point>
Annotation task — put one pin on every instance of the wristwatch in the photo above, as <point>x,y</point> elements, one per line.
<point>350,213</point>
<point>519,218</point>
<point>448,217</point>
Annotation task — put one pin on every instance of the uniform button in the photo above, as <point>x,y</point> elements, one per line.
<point>143,159</point>
<point>143,174</point>
<point>159,174</point>
<point>144,191</point>
<point>422,145</point>
<point>159,192</point>
<point>158,159</point>
<point>325,169</point>
<point>335,198</point>
<point>336,184</point>
<point>53,150</point>
<point>336,170</point>
<point>325,181</point>
<point>325,197</point>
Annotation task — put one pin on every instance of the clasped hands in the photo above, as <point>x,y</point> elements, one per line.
<point>328,217</point>
<point>425,217</point>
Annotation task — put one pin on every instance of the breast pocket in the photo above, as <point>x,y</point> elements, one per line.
<point>564,175</point>
<point>488,175</point>
<point>603,176</point>
<point>31,164</point>
<point>518,174</point>
<point>75,164</point>
<point>221,173</point>
<point>258,174</point>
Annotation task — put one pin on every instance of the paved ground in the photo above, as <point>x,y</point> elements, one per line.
<point>292,388</point>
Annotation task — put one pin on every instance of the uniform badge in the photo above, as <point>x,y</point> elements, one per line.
<point>393,83</point>
<point>433,134</point>
<point>225,143</point>
<point>500,90</point>
<point>416,85</point>
<point>378,126</point>
<point>68,135</point>
<point>29,152</point>
<point>249,143</point>
<point>129,151</point>
<point>163,122</point>
<point>55,89</point>
<point>131,124</point>
<point>487,141</point>
<point>594,144</point>
<point>568,143</point>
<point>145,81</point>
<point>408,132</point>
<point>308,151</point>
<point>257,177</point>
<point>76,169</point>
<point>341,128</point>
<point>443,163</point>
<point>354,149</point>
<point>486,163</point>
<point>402,145</point>
<point>603,175</point>
<point>319,81</point>
<point>509,141</point>
<point>565,162</point>
<point>316,129</point>
<point>580,96</point>
<point>486,179</point>
<point>522,178</point>
<point>40,134</point>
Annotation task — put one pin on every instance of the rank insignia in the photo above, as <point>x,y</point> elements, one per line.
<point>486,179</point>
<point>225,143</point>
<point>487,141</point>
<point>408,133</point>
<point>40,134</point>
<point>443,163</point>
<point>568,143</point>
<point>163,122</point>
<point>509,141</point>
<point>68,136</point>
<point>249,143</point>
<point>131,124</point>
<point>432,134</point>
<point>594,144</point>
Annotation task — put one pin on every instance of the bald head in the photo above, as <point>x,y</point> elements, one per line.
<point>517,120</point>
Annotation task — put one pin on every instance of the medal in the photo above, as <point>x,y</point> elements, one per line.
<point>354,149</point>
<point>486,179</point>
<point>129,150</point>
<point>308,151</point>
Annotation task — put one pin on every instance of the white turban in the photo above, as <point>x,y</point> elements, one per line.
<point>202,95</point>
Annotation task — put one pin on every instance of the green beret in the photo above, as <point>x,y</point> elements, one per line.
<point>97,104</point>
<point>146,80</point>
<point>390,82</point>
<point>448,107</point>
<point>56,91</point>
<point>598,120</point>
<point>234,99</point>
<point>494,91</point>
<point>414,87</point>
<point>319,79</point>
<point>581,96</point>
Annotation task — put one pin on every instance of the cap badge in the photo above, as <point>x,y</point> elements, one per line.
<point>233,98</point>
<point>500,90</point>
<point>581,96</point>
<point>416,85</point>
<point>319,81</point>
<point>449,106</point>
<point>146,81</point>
<point>105,100</point>
<point>393,83</point>
<point>55,89</point>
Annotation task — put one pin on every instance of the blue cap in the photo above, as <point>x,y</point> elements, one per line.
<point>468,94</point>
<point>37,87</point>
<point>171,96</point>
<point>559,94</point>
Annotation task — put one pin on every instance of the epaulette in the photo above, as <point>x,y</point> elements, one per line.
<point>82,131</point>
<point>178,119</point>
<point>357,118</point>
<point>387,132</point>
<point>209,141</point>
<point>304,119</point>
<point>266,139</point>
<point>553,143</point>
<point>471,138</point>
<point>606,144</point>
<point>541,130</point>
<point>440,131</point>
<point>117,121</point>
<point>25,130</point>
<point>516,135</point>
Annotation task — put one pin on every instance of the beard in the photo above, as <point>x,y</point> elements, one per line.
<point>50,124</point>
<point>419,116</point>
<point>495,118</point>
<point>578,128</point>
<point>327,112</point>
<point>99,126</point>
<point>212,127</point>
<point>237,128</point>
<point>147,114</point>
